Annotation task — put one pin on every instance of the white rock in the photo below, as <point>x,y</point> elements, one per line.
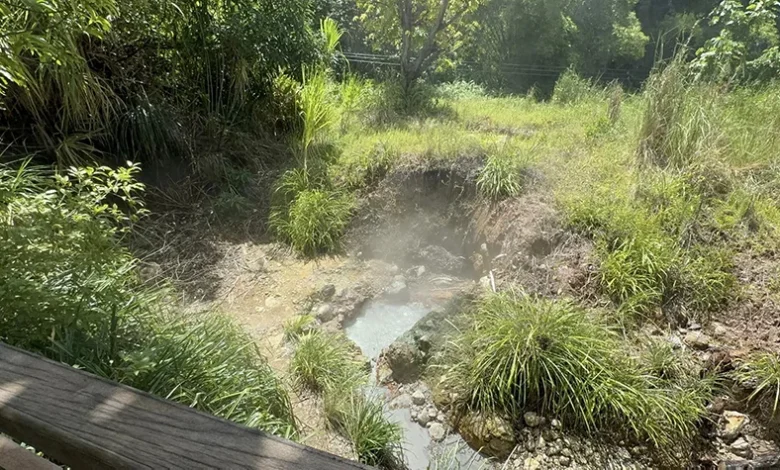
<point>437,432</point>
<point>741,447</point>
<point>273,302</point>
<point>532,419</point>
<point>418,398</point>
<point>731,425</point>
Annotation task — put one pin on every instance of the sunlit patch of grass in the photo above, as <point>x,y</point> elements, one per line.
<point>762,374</point>
<point>524,352</point>
<point>324,361</point>
<point>297,326</point>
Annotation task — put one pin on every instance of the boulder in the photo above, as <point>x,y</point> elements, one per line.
<point>731,425</point>
<point>441,260</point>
<point>397,291</point>
<point>491,434</point>
<point>405,360</point>
<point>327,292</point>
<point>697,340</point>
<point>418,398</point>
<point>401,401</point>
<point>324,312</point>
<point>532,463</point>
<point>533,420</point>
<point>437,432</point>
<point>741,447</point>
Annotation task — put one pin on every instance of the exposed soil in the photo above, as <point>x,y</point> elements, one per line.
<point>428,226</point>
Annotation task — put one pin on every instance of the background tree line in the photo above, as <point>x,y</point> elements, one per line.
<point>166,81</point>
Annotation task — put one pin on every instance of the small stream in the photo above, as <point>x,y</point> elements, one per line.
<point>376,328</point>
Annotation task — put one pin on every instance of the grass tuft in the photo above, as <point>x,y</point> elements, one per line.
<point>361,419</point>
<point>500,177</point>
<point>323,362</point>
<point>524,352</point>
<point>315,221</point>
<point>762,374</point>
<point>678,126</point>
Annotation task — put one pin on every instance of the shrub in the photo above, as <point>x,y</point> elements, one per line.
<point>63,265</point>
<point>68,290</point>
<point>375,439</point>
<point>572,89</point>
<point>324,361</point>
<point>762,374</point>
<point>499,178</point>
<point>524,353</point>
<point>315,221</point>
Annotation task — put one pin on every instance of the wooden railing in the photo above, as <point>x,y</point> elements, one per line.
<point>87,422</point>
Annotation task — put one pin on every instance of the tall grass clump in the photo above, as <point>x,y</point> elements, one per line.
<point>761,373</point>
<point>317,112</point>
<point>375,439</point>
<point>501,177</point>
<point>323,362</point>
<point>206,362</point>
<point>678,127</point>
<point>314,222</point>
<point>528,353</point>
<point>326,364</point>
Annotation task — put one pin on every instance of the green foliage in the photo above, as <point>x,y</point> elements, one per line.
<point>499,178</point>
<point>462,90</point>
<point>524,353</point>
<point>68,290</point>
<point>420,31</point>
<point>207,362</point>
<point>677,129</point>
<point>140,79</point>
<point>63,266</point>
<point>315,221</point>
<point>317,111</point>
<point>324,361</point>
<point>375,439</point>
<point>761,373</point>
<point>297,326</point>
<point>572,89</point>
<point>747,45</point>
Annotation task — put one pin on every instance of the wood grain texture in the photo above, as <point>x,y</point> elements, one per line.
<point>14,457</point>
<point>91,423</point>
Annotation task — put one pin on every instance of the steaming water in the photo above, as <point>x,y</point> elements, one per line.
<point>378,326</point>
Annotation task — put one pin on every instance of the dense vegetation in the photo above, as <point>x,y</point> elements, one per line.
<point>653,123</point>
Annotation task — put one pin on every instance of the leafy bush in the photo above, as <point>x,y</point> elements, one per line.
<point>572,89</point>
<point>531,353</point>
<point>324,361</point>
<point>315,221</point>
<point>499,178</point>
<point>376,440</point>
<point>762,374</point>
<point>63,265</point>
<point>68,290</point>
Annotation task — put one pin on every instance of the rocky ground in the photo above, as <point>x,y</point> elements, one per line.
<point>419,237</point>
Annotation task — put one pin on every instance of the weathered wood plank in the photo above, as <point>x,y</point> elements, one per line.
<point>91,423</point>
<point>14,457</point>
